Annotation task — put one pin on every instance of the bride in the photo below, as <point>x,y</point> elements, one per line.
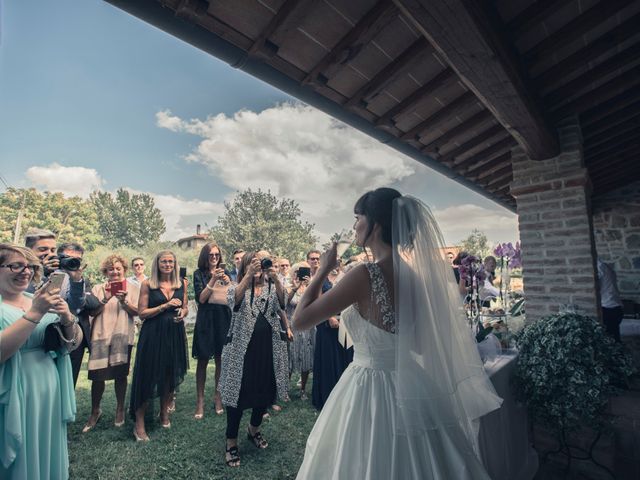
<point>405,408</point>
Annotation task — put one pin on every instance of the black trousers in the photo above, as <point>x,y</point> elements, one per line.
<point>234,415</point>
<point>76,357</point>
<point>612,318</point>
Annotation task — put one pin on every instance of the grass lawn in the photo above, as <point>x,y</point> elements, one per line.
<point>190,449</point>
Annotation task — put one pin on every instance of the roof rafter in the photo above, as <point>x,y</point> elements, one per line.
<point>463,34</point>
<point>436,82</point>
<point>361,34</point>
<point>411,55</point>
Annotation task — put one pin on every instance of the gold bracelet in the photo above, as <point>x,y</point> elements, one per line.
<point>30,320</point>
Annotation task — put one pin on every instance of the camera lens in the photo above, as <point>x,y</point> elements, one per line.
<point>70,263</point>
<point>266,264</point>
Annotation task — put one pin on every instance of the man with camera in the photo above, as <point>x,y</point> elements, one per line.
<point>76,290</point>
<point>43,244</point>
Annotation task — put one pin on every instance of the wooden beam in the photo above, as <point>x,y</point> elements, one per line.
<point>486,174</point>
<point>604,43</point>
<point>441,79</point>
<point>576,28</point>
<point>496,176</point>
<point>450,110</point>
<point>195,11</point>
<point>534,14</point>
<point>616,131</point>
<point>617,118</point>
<point>378,17</point>
<point>411,55</point>
<point>284,12</point>
<point>477,171</point>
<point>463,33</point>
<point>473,142</point>
<point>595,75</point>
<point>291,19</point>
<point>604,92</point>
<point>628,158</point>
<point>469,124</point>
<point>608,150</point>
<point>610,107</point>
<point>503,192</point>
<point>500,184</point>
<point>497,148</point>
<point>615,177</point>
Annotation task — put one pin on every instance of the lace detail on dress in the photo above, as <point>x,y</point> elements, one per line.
<point>380,293</point>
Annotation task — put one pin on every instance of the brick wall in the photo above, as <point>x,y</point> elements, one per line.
<point>553,205</point>
<point>616,223</point>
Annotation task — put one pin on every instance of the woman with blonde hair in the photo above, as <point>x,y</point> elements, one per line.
<point>161,357</point>
<point>37,398</point>
<point>112,336</point>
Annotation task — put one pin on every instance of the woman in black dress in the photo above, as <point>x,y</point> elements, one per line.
<point>161,357</point>
<point>210,283</point>
<point>254,363</point>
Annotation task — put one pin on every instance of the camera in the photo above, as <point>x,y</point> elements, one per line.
<point>266,264</point>
<point>70,263</point>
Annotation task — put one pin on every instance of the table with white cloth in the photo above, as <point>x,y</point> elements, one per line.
<point>503,436</point>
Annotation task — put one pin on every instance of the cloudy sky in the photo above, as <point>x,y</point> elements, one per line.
<point>92,98</point>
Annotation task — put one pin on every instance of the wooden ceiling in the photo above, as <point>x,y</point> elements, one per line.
<point>456,84</point>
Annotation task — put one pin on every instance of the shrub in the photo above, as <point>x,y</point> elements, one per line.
<point>567,370</point>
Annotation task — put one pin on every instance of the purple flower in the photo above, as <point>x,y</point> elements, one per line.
<point>498,250</point>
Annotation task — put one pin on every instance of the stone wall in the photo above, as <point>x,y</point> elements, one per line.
<point>553,204</point>
<point>616,223</point>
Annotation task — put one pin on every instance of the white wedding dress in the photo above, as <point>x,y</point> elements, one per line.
<point>356,434</point>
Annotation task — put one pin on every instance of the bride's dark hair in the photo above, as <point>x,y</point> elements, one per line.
<point>377,206</point>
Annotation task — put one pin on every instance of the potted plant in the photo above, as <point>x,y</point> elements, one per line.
<point>567,370</point>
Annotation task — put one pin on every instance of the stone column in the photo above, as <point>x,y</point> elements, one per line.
<point>556,233</point>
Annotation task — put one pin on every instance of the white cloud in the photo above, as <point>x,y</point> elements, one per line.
<point>457,222</point>
<point>295,151</point>
<point>71,181</point>
<point>181,215</point>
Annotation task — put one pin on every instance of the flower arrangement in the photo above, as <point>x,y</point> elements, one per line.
<point>508,257</point>
<point>567,370</point>
<point>472,272</point>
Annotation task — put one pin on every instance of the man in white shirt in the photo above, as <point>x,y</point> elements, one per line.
<point>610,302</point>
<point>137,265</point>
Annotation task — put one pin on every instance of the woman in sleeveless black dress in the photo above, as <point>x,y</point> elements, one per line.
<point>210,284</point>
<point>161,356</point>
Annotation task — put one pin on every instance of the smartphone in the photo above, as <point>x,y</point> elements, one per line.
<point>119,286</point>
<point>222,265</point>
<point>55,280</point>
<point>183,272</point>
<point>304,272</point>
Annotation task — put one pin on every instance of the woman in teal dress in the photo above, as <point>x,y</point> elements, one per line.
<point>36,387</point>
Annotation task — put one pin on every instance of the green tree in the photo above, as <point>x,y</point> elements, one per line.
<point>127,219</point>
<point>476,244</point>
<point>259,220</point>
<point>72,219</point>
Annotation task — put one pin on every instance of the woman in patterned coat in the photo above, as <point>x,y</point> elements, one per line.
<point>254,362</point>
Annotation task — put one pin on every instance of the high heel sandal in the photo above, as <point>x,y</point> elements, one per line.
<point>257,439</point>
<point>138,437</point>
<point>118,424</point>
<point>234,456</point>
<point>87,427</point>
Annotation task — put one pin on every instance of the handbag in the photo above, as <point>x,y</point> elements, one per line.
<point>52,337</point>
